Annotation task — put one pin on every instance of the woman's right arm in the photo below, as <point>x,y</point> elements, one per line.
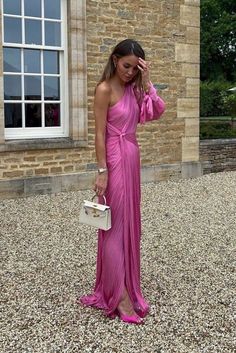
<point>101,104</point>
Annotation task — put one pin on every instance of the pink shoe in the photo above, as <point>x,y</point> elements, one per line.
<point>134,319</point>
<point>141,313</point>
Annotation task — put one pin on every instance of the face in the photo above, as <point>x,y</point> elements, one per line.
<point>126,67</point>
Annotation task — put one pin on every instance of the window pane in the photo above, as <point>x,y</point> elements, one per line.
<point>12,30</point>
<point>33,116</point>
<point>33,32</point>
<point>53,33</point>
<point>32,87</point>
<point>12,7</point>
<point>52,114</point>
<point>12,87</point>
<point>13,115</point>
<point>12,60</point>
<point>32,62</point>
<point>51,88</point>
<point>33,8</point>
<point>52,9</point>
<point>51,62</point>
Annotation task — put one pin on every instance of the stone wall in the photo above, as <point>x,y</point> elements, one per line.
<point>169,33</point>
<point>218,155</point>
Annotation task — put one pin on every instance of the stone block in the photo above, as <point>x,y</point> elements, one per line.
<point>79,127</point>
<point>28,165</point>
<point>29,172</point>
<point>193,35</point>
<point>190,149</point>
<point>11,188</point>
<point>188,108</point>
<point>40,171</point>
<point>192,87</point>
<point>187,53</point>
<point>55,170</point>
<point>190,70</point>
<point>38,185</point>
<point>68,168</point>
<point>152,173</point>
<point>148,174</point>
<point>92,166</point>
<point>29,159</point>
<point>44,158</point>
<point>12,160</point>
<point>189,15</point>
<point>77,181</point>
<point>168,172</point>
<point>13,174</point>
<point>192,2</point>
<point>191,170</point>
<point>192,127</point>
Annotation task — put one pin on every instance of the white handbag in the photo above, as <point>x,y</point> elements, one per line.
<point>96,214</point>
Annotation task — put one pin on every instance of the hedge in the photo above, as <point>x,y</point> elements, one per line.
<point>215,130</point>
<point>214,99</point>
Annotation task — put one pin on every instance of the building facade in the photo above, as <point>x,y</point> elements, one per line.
<point>52,55</point>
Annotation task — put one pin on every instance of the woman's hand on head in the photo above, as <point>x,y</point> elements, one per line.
<point>144,67</point>
<point>101,184</point>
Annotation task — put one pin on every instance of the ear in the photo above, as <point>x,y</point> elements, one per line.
<point>114,58</point>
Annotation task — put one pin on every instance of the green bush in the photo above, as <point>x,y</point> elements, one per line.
<point>216,130</point>
<point>230,104</point>
<point>212,98</point>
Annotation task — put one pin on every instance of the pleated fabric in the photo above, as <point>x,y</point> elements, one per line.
<point>118,252</point>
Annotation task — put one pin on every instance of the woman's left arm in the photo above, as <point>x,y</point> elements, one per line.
<point>152,106</point>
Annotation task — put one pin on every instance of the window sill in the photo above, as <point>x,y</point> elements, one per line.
<point>41,144</point>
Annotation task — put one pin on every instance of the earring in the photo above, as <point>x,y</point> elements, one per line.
<point>114,63</point>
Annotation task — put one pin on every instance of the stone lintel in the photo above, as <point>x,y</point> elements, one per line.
<point>41,144</point>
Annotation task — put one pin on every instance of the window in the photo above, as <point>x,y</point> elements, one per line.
<point>35,68</point>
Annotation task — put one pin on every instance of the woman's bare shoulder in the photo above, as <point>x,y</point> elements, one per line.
<point>103,89</point>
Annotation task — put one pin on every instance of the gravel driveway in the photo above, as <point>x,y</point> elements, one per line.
<point>188,273</point>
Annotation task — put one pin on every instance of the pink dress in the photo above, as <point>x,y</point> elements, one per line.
<point>118,254</point>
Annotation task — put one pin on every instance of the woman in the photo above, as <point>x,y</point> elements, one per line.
<point>124,97</point>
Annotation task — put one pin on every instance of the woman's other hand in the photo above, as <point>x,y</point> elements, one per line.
<point>101,184</point>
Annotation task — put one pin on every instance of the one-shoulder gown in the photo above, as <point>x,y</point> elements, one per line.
<point>118,251</point>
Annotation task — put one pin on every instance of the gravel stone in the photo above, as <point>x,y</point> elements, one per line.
<point>187,268</point>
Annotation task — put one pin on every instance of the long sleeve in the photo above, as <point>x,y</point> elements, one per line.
<point>151,106</point>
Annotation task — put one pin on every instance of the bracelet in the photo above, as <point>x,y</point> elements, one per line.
<point>102,170</point>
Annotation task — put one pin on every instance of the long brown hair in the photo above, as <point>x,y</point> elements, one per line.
<point>126,47</point>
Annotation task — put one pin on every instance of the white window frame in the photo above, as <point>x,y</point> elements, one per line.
<point>52,131</point>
